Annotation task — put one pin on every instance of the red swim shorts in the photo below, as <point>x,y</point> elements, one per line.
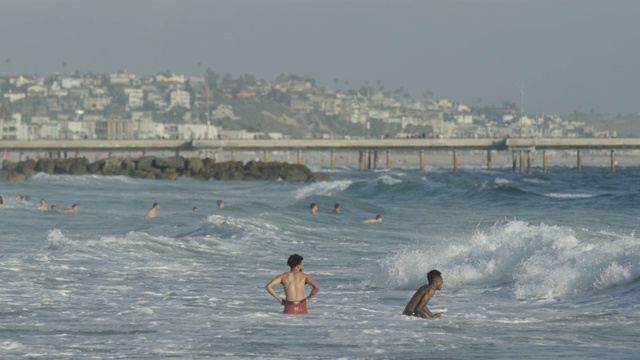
<point>295,307</point>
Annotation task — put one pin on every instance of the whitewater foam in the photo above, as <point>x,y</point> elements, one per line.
<point>536,261</point>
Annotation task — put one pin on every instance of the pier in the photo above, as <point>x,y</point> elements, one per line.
<point>370,151</point>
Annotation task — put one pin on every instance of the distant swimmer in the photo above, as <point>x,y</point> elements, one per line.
<point>294,283</point>
<point>313,208</point>
<point>73,211</point>
<point>417,306</point>
<point>220,204</point>
<point>377,219</point>
<point>54,208</point>
<point>153,212</point>
<point>19,197</point>
<point>43,205</point>
<point>194,209</point>
<point>336,208</point>
<point>1,202</point>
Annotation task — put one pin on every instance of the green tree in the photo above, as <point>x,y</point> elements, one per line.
<point>212,78</point>
<point>176,114</point>
<point>5,112</point>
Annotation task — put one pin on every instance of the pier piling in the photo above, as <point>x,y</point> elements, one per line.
<point>375,159</point>
<point>455,160</point>
<point>613,161</point>
<point>579,160</point>
<point>388,159</point>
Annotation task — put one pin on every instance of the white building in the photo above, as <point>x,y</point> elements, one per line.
<point>49,129</point>
<point>157,100</point>
<point>135,98</point>
<point>223,111</point>
<point>180,98</point>
<point>13,97</point>
<point>57,90</point>
<point>37,90</point>
<point>171,78</point>
<point>124,77</point>
<point>143,125</point>
<point>71,83</point>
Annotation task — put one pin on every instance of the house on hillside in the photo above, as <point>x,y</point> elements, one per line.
<point>180,98</point>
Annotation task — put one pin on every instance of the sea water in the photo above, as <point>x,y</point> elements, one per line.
<point>539,266</point>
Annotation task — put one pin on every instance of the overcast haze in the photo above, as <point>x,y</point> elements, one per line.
<point>569,54</point>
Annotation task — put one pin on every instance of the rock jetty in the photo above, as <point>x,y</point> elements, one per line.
<point>171,168</point>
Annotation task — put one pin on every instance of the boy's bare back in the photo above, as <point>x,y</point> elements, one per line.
<point>418,304</point>
<point>294,283</point>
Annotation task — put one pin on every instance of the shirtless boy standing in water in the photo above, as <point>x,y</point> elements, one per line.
<point>294,283</point>
<point>417,306</point>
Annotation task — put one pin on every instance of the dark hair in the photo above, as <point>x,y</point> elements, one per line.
<point>294,260</point>
<point>336,206</point>
<point>312,205</point>
<point>155,204</point>
<point>1,201</point>
<point>378,217</point>
<point>433,275</point>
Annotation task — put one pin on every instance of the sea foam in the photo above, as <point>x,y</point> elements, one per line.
<point>535,261</point>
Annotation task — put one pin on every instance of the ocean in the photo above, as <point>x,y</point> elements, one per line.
<point>535,266</point>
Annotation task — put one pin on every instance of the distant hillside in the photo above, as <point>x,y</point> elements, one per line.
<point>625,125</point>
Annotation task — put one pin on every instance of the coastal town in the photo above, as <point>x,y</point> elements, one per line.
<point>126,106</point>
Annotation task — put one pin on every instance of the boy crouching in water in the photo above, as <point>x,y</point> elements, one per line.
<point>417,306</point>
<point>294,283</point>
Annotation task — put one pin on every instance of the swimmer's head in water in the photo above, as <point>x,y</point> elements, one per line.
<point>294,260</point>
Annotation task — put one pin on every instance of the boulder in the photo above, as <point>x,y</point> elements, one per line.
<point>9,165</point>
<point>128,164</point>
<point>26,165</point>
<point>109,166</point>
<point>145,163</point>
<point>168,174</point>
<point>79,166</point>
<point>46,166</point>
<point>28,172</point>
<point>194,165</point>
<point>63,166</point>
<point>175,162</point>
<point>15,176</point>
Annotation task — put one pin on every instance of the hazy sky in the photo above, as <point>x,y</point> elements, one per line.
<point>569,54</point>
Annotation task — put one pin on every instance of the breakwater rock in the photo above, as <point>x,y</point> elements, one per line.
<point>151,167</point>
